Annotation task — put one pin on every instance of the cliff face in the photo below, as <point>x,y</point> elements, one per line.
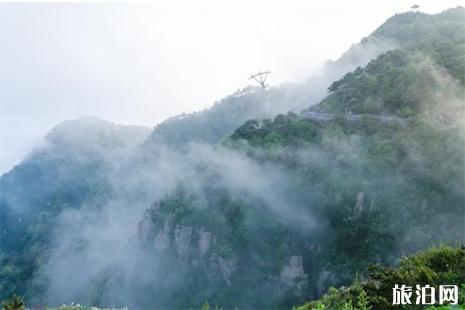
<point>279,211</point>
<point>192,250</point>
<point>190,247</point>
<point>293,275</point>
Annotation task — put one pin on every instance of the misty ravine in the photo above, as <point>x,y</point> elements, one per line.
<point>263,201</point>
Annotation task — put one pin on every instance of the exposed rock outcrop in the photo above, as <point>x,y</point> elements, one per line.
<point>162,239</point>
<point>146,229</point>
<point>205,239</point>
<point>293,274</point>
<point>182,241</point>
<point>227,266</point>
<point>191,246</point>
<point>359,203</point>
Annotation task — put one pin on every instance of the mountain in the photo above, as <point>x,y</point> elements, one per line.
<point>227,207</point>
<point>94,135</point>
<point>440,36</point>
<point>71,152</point>
<point>306,203</point>
<point>407,81</point>
<point>214,124</point>
<point>376,290</point>
<point>68,169</point>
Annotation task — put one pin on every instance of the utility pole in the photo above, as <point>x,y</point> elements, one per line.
<point>260,78</point>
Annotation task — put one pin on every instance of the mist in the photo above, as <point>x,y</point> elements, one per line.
<point>107,242</point>
<point>98,241</point>
<point>142,63</point>
<point>225,193</point>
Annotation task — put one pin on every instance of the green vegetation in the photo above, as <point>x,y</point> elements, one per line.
<point>421,168</point>
<point>292,206</point>
<point>441,265</point>
<point>367,180</point>
<point>283,130</point>
<point>406,81</point>
<point>14,303</point>
<point>210,125</point>
<point>331,172</point>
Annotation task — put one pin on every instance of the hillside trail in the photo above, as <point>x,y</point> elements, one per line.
<point>323,117</point>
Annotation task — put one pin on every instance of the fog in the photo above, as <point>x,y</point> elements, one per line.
<point>141,63</point>
<point>96,245</point>
<point>96,249</point>
<point>94,191</point>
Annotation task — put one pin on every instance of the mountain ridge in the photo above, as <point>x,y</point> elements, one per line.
<point>248,208</point>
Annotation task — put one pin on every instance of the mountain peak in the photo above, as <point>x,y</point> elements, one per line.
<point>95,134</point>
<point>408,27</point>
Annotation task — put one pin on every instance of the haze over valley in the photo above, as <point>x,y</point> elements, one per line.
<point>350,176</point>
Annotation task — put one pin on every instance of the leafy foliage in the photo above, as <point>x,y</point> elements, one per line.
<point>404,81</point>
<point>14,303</point>
<point>351,193</point>
<point>441,265</point>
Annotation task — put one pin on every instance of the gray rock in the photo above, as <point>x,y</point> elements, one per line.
<point>292,274</point>
<point>359,203</point>
<point>162,240</point>
<point>182,241</point>
<point>205,239</point>
<point>226,266</point>
<point>145,227</point>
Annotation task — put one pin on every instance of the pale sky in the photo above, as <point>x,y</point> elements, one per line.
<point>140,63</point>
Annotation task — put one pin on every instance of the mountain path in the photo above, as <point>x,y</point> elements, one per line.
<point>324,117</point>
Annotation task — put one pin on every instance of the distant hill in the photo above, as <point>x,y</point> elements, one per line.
<point>92,134</point>
<point>215,123</point>
<point>66,170</point>
<point>254,210</point>
<point>440,36</point>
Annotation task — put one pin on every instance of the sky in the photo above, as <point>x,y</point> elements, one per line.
<point>140,63</point>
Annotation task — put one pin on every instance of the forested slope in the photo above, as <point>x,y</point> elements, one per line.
<point>294,205</point>
<point>254,213</point>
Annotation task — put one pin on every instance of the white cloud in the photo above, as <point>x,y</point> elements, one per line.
<point>143,62</point>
